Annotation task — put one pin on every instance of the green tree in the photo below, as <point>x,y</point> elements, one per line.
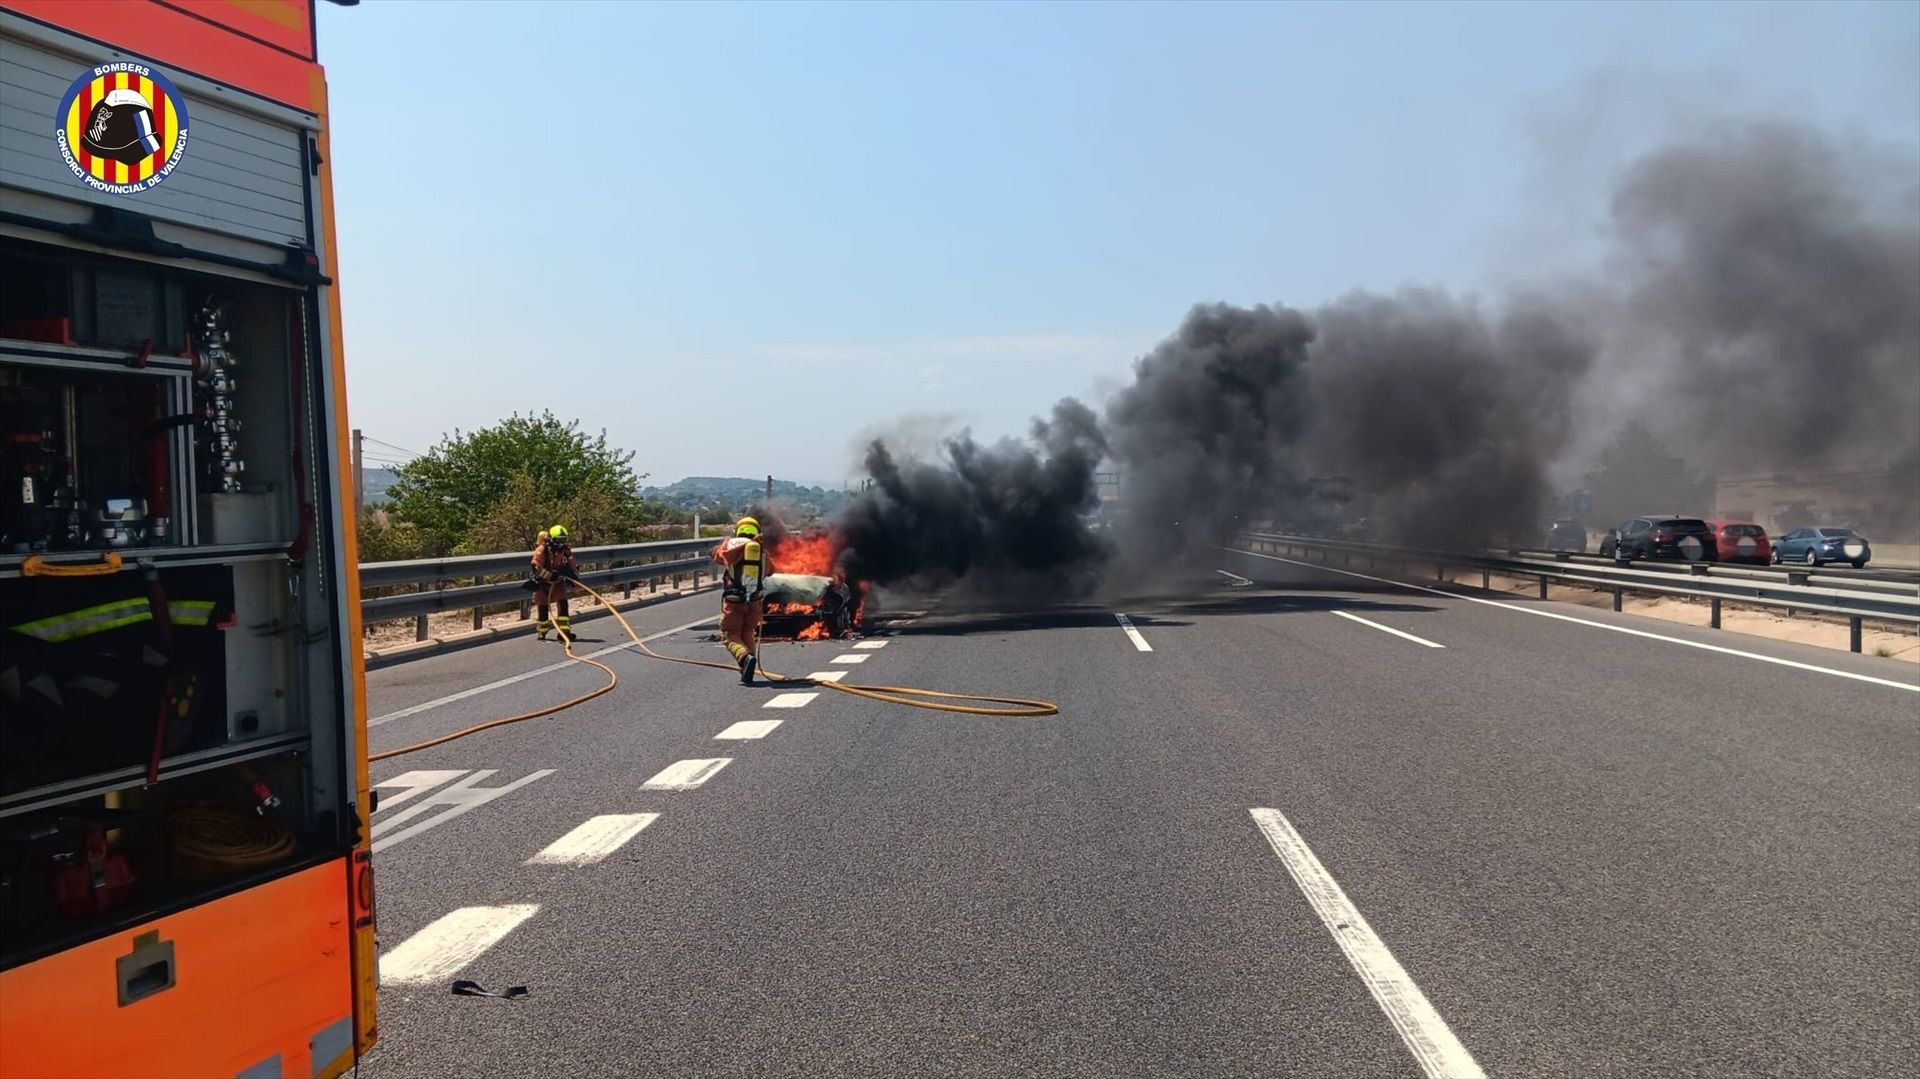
<point>384,540</point>
<point>544,465</point>
<point>594,516</point>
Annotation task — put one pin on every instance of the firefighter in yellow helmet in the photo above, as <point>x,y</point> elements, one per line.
<point>553,567</point>
<point>743,600</point>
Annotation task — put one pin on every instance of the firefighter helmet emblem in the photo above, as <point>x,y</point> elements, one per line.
<point>122,128</point>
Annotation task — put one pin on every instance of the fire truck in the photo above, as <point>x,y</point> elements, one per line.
<point>186,884</point>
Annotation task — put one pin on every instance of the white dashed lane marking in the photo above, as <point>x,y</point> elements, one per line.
<point>1388,629</point>
<point>790,700</point>
<point>1440,1054</point>
<point>827,676</point>
<point>1126,623</point>
<point>594,840</point>
<point>443,948</point>
<point>871,645</point>
<point>750,728</point>
<point>851,657</point>
<point>686,775</point>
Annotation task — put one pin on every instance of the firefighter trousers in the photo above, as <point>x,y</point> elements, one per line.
<point>740,626</point>
<point>555,594</point>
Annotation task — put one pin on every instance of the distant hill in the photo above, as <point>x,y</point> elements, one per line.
<point>722,495</point>
<point>376,481</point>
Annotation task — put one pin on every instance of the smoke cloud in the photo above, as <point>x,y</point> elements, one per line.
<point>1774,293</point>
<point>1760,305</point>
<point>1011,517</point>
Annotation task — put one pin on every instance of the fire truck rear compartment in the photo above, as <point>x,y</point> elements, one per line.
<point>159,416</point>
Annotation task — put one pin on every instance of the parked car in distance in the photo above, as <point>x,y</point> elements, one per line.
<point>1819,546</point>
<point>1742,541</point>
<point>1567,534</point>
<point>1685,539</point>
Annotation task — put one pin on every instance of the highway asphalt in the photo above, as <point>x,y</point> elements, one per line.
<point>1585,844</point>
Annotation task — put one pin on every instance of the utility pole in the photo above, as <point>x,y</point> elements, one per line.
<point>769,490</point>
<point>359,472</point>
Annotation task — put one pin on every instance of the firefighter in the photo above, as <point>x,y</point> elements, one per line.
<point>743,598</point>
<point>552,568</point>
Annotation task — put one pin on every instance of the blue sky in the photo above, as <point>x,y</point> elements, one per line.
<point>736,237</point>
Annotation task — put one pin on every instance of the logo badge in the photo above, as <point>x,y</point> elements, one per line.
<point>122,128</point>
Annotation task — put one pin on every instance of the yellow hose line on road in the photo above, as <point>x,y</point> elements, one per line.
<point>909,696</point>
<point>565,639</point>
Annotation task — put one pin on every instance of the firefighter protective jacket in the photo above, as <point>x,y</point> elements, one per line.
<point>746,568</point>
<point>552,562</point>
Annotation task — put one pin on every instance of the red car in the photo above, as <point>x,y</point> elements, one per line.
<point>1742,541</point>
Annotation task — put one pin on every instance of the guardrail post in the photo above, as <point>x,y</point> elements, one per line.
<point>1853,633</point>
<point>1543,588</point>
<point>1616,597</point>
<point>1486,581</point>
<point>1714,621</point>
<point>420,620</point>
<point>479,613</point>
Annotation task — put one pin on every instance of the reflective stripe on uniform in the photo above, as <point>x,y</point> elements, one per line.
<point>88,621</point>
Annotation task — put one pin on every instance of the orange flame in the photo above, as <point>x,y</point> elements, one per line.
<point>813,551</point>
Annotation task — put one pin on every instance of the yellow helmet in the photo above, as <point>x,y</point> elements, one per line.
<point>558,532</point>
<point>747,527</point>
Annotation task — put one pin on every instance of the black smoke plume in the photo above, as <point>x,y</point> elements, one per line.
<point>1760,307</point>
<point>1773,298</point>
<point>1010,516</point>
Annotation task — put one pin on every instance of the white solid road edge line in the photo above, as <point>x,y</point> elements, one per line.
<point>1126,623</point>
<point>593,840</point>
<point>451,942</point>
<point>1389,629</point>
<point>1427,1035</point>
<point>535,673</point>
<point>686,775</point>
<point>1702,645</point>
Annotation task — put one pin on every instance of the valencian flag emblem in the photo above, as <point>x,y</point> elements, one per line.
<point>122,128</point>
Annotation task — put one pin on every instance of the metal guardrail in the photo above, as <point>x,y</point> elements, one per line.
<point>1785,588</point>
<point>440,582</point>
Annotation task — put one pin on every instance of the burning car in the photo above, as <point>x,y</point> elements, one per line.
<point>808,599</point>
<point>809,607</point>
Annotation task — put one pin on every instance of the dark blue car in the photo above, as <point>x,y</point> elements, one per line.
<point>1819,546</point>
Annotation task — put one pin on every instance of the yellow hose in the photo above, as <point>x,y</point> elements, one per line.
<point>910,696</point>
<point>38,566</point>
<point>566,639</point>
